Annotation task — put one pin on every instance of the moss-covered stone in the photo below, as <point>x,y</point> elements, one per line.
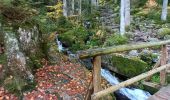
<point>129,67</point>
<point>148,57</point>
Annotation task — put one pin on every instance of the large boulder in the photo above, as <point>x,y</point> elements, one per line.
<point>129,67</point>
<point>30,42</point>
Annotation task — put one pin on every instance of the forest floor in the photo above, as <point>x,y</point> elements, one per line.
<point>69,82</point>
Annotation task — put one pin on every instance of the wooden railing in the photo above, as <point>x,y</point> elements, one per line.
<point>96,54</point>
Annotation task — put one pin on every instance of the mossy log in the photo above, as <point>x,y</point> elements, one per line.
<point>128,82</point>
<point>120,48</point>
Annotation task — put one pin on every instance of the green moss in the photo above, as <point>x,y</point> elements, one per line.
<point>168,78</point>
<point>129,66</point>
<point>3,59</point>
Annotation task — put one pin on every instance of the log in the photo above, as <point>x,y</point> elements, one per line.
<point>128,82</point>
<point>120,48</point>
<point>97,74</point>
<point>163,62</point>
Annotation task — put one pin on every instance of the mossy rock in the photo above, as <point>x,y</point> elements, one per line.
<point>149,58</point>
<point>129,67</point>
<point>163,32</point>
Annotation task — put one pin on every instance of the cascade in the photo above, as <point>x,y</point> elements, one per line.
<point>132,94</point>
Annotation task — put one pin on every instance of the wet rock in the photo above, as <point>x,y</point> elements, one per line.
<point>153,40</point>
<point>146,51</point>
<point>133,53</point>
<point>119,96</point>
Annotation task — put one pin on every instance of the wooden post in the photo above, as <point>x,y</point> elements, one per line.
<point>163,62</point>
<point>97,74</point>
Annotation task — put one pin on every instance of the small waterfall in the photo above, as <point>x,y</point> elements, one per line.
<point>132,94</point>
<point>60,46</point>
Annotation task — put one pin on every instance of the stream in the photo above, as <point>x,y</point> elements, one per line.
<point>132,94</point>
<point>123,93</point>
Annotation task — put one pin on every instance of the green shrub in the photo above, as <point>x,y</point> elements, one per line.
<point>155,78</point>
<point>163,32</point>
<point>116,39</point>
<point>3,59</point>
<point>75,39</point>
<point>14,85</point>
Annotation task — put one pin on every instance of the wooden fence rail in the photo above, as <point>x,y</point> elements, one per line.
<point>96,54</point>
<point>120,48</point>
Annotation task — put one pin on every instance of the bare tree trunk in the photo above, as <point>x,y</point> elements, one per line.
<point>122,17</point>
<point>164,10</point>
<point>80,2</point>
<point>127,12</point>
<point>65,8</point>
<point>72,6</point>
<point>97,3</point>
<point>94,2</point>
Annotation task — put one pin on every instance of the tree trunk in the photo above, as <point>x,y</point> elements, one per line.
<point>97,3</point>
<point>94,2</point>
<point>72,6</point>
<point>127,12</point>
<point>80,2</point>
<point>65,8</point>
<point>122,17</point>
<point>164,10</point>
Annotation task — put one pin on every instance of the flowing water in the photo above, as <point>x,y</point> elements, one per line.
<point>132,94</point>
